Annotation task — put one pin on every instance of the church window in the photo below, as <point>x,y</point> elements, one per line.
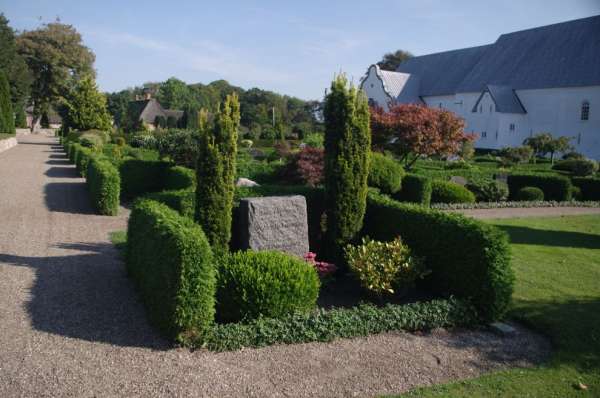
<point>511,127</point>
<point>585,110</point>
<point>483,134</point>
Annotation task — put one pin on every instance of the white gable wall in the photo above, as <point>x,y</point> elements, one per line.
<point>373,87</point>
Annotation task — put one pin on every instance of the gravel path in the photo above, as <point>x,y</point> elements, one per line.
<point>527,212</point>
<point>70,324</point>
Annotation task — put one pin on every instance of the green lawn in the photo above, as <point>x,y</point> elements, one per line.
<point>557,263</point>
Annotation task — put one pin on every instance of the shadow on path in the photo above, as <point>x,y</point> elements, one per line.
<point>67,197</point>
<point>87,296</point>
<point>61,172</point>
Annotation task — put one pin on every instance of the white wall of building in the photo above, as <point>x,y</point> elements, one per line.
<point>373,86</point>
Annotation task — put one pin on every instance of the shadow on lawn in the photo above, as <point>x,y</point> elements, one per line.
<point>572,325</point>
<point>533,236</point>
<point>87,296</point>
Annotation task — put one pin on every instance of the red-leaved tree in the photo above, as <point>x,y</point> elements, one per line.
<point>414,131</point>
<point>306,166</point>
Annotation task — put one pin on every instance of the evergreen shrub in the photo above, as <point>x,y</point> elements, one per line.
<point>171,263</point>
<point>555,187</point>
<point>104,186</point>
<point>467,258</point>
<point>266,283</point>
<point>385,173</point>
<point>530,194</point>
<point>415,189</point>
<point>449,192</point>
<point>590,187</point>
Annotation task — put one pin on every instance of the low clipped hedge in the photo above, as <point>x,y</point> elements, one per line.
<point>385,173</point>
<point>449,192</point>
<point>171,263</point>
<point>266,283</point>
<point>467,258</point>
<point>139,177</point>
<point>178,177</point>
<point>82,158</point>
<point>415,189</point>
<point>183,200</point>
<point>104,184</point>
<point>590,187</point>
<point>327,325</point>
<point>530,194</point>
<point>577,167</point>
<point>554,187</point>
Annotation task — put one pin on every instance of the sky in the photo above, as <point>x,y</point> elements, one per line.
<point>291,47</point>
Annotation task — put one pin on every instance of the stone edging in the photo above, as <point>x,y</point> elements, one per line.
<point>8,143</point>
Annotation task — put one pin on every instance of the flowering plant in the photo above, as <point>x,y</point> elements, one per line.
<point>323,268</point>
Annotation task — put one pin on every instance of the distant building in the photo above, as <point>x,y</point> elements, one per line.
<point>149,111</point>
<point>545,79</point>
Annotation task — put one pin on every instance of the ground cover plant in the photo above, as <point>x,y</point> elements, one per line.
<point>557,265</point>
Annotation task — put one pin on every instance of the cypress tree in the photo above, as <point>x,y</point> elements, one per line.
<point>7,117</point>
<point>215,172</point>
<point>347,151</point>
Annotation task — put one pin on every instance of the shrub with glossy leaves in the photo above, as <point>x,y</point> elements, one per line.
<point>385,173</point>
<point>449,192</point>
<point>384,267</point>
<point>530,194</point>
<point>266,283</point>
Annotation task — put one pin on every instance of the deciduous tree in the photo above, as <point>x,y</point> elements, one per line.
<point>391,61</point>
<point>86,107</point>
<point>17,72</point>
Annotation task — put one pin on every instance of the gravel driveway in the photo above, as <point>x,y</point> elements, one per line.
<point>70,324</point>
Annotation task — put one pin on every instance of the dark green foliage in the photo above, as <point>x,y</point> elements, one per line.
<point>554,187</point>
<point>20,117</point>
<point>104,184</point>
<point>86,107</point>
<point>171,263</point>
<point>577,167</point>
<point>329,325</point>
<point>590,187</point>
<point>488,190</point>
<point>183,200</point>
<point>467,258</point>
<point>139,177</point>
<point>347,153</point>
<point>179,177</point>
<point>385,173</point>
<point>415,189</point>
<point>449,192</point>
<point>267,283</point>
<point>179,146</point>
<point>82,158</point>
<point>7,116</point>
<point>529,194</point>
<point>261,171</point>
<point>215,173</point>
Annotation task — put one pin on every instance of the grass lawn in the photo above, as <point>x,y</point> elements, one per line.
<point>557,263</point>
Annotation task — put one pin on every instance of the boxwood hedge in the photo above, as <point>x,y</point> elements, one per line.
<point>385,173</point>
<point>590,187</point>
<point>139,177</point>
<point>182,200</point>
<point>171,263</point>
<point>415,189</point>
<point>468,259</point>
<point>555,187</point>
<point>449,192</point>
<point>103,183</point>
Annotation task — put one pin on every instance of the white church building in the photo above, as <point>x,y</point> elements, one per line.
<point>545,79</point>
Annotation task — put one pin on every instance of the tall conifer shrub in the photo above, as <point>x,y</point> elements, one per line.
<point>7,117</point>
<point>347,151</point>
<point>215,172</point>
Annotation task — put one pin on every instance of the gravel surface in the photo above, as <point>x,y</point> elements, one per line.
<point>527,212</point>
<point>70,324</point>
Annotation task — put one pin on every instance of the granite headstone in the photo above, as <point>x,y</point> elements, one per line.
<point>274,223</point>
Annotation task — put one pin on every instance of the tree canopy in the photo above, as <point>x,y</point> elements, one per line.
<point>7,118</point>
<point>57,59</point>
<point>86,107</point>
<point>18,74</point>
<point>390,61</point>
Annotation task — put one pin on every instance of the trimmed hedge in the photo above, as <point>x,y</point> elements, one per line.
<point>577,167</point>
<point>530,194</point>
<point>554,187</point>
<point>266,283</point>
<point>385,173</point>
<point>139,177</point>
<point>327,325</point>
<point>415,189</point>
<point>183,200</point>
<point>488,190</point>
<point>171,263</point>
<point>104,184</point>
<point>468,259</point>
<point>449,192</point>
<point>82,158</point>
<point>590,187</point>
<point>178,177</point>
